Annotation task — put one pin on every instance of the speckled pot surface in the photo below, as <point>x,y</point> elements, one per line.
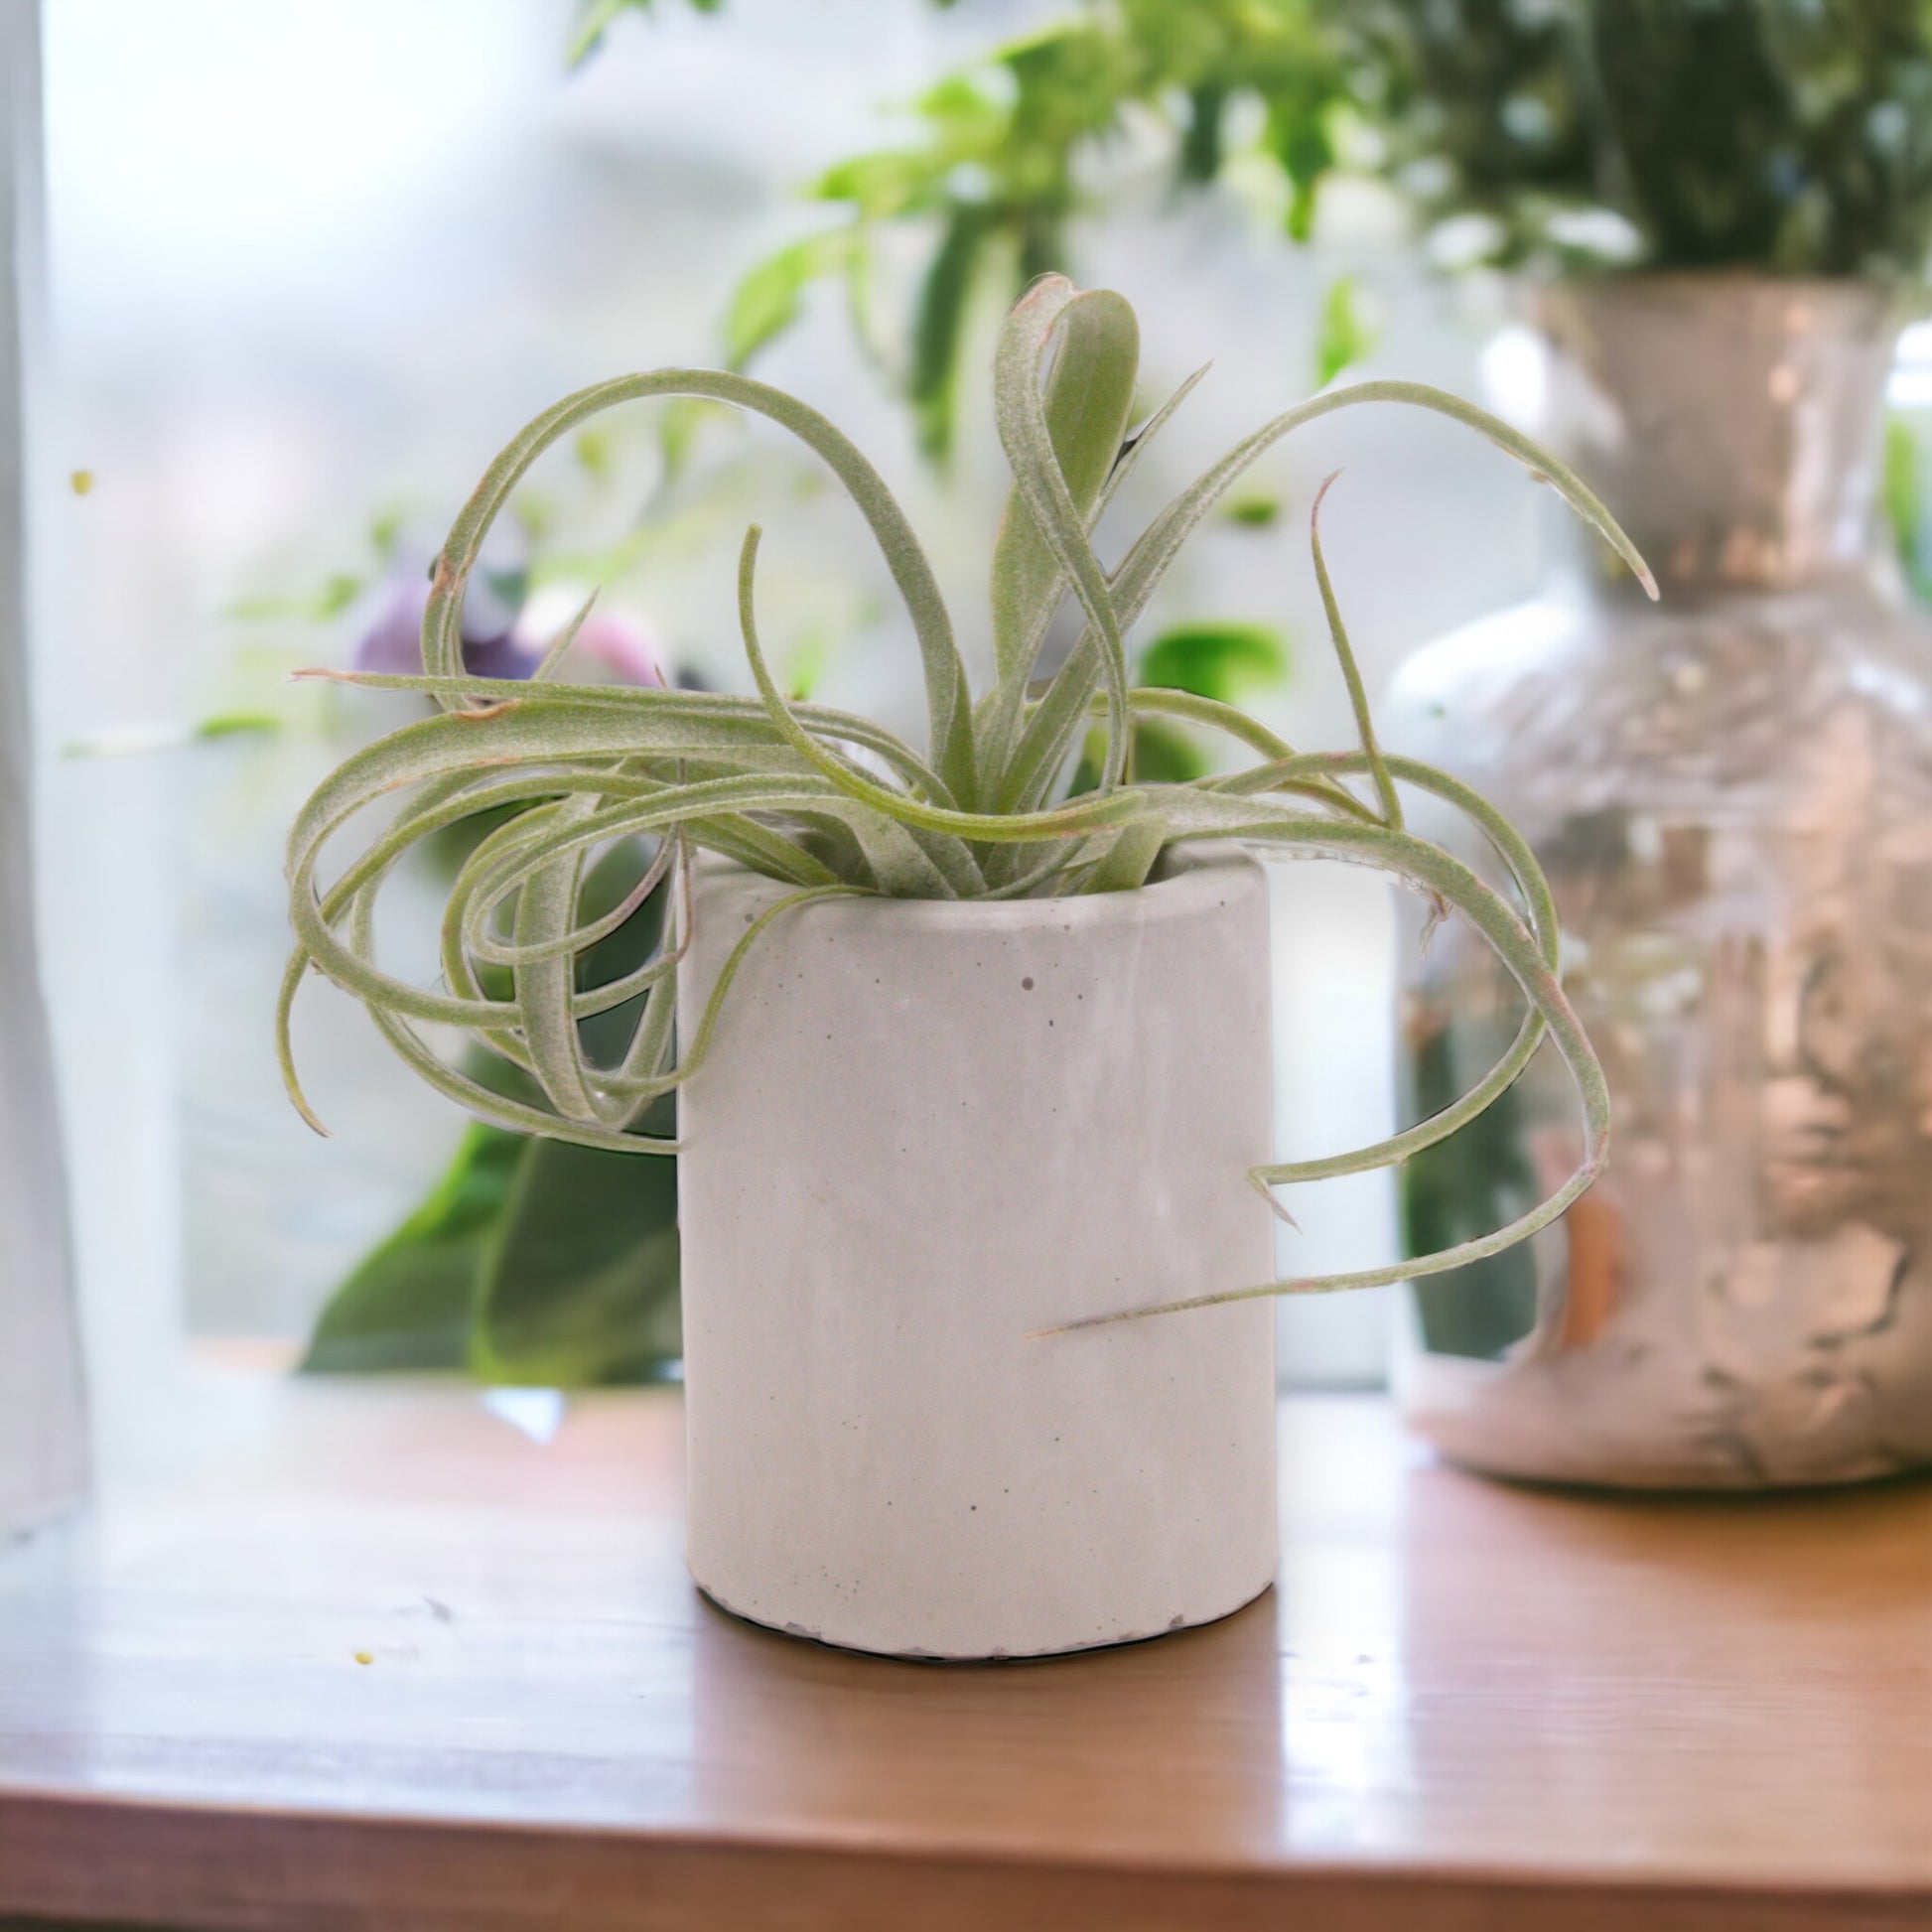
<point>925,1132</point>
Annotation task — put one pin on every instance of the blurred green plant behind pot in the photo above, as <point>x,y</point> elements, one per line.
<point>531,1260</point>
<point>1541,135</point>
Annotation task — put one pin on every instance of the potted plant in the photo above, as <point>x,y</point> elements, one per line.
<point>972,1075</point>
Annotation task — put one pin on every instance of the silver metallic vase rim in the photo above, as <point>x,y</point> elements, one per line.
<point>1732,421</point>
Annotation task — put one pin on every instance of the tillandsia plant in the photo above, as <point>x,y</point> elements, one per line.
<point>831,803</point>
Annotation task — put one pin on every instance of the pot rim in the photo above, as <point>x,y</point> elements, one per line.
<point>1193,878</point>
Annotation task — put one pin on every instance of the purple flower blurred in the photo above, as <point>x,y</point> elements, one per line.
<point>498,641</point>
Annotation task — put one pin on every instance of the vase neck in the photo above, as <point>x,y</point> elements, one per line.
<point>1733,424</point>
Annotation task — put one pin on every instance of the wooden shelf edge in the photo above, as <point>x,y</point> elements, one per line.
<point>102,1859</point>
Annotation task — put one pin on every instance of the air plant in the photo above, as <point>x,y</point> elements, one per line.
<point>829,802</point>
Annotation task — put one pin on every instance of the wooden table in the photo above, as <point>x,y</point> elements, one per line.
<point>394,1664</point>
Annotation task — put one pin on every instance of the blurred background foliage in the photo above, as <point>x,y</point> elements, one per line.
<point>1791,135</point>
<point>531,1262</point>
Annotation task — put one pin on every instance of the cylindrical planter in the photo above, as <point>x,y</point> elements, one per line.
<point>1732,793</point>
<point>926,1132</point>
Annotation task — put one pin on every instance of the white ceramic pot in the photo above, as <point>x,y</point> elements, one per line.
<point>926,1132</point>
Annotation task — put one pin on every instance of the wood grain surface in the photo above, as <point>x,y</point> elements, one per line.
<point>1464,1706</point>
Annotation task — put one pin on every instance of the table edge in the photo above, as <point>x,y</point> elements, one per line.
<point>108,1856</point>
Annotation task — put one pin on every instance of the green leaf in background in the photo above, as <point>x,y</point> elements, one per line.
<point>330,598</point>
<point>592,449</point>
<point>938,326</point>
<point>238,724</point>
<point>806,665</point>
<point>1164,756</point>
<point>407,1304</point>
<point>766,301</point>
<point>1462,1188</point>
<point>1202,146</point>
<point>579,1284</point>
<point>596,18</point>
<point>449,848</point>
<point>138,740</point>
<point>1347,333</point>
<point>531,1260</point>
<point>1903,497</point>
<point>385,531</point>
<point>682,418</point>
<point>1299,135</point>
<point>1227,662</point>
<point>1793,136</point>
<point>1256,512</point>
<point>606,886</point>
<point>1158,754</point>
<point>509,585</point>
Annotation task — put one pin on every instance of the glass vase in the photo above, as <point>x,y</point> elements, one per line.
<point>1732,793</point>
